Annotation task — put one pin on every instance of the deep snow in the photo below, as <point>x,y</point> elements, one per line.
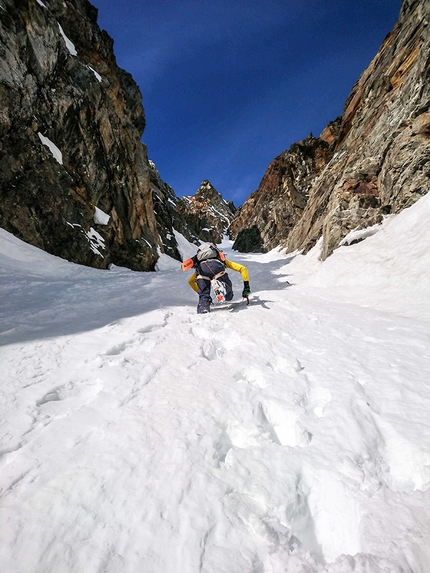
<point>292,435</point>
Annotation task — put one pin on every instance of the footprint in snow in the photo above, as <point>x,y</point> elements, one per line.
<point>160,322</point>
<point>212,350</point>
<point>62,399</point>
<point>222,446</point>
<point>282,426</point>
<point>115,350</point>
<point>52,396</point>
<point>252,375</point>
<point>317,400</point>
<point>280,364</point>
<point>234,434</point>
<point>153,323</point>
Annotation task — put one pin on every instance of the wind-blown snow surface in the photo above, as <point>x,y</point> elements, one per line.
<point>292,435</point>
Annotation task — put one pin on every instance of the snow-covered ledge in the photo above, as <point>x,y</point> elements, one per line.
<point>100,217</point>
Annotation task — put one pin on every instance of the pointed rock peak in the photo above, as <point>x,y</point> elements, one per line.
<point>207,190</point>
<point>207,194</point>
<point>206,185</point>
<point>207,213</point>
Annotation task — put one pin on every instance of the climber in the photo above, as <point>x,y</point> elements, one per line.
<point>210,263</point>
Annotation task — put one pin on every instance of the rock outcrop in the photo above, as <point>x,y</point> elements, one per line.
<point>374,161</point>
<point>207,213</point>
<point>169,221</point>
<point>275,208</point>
<point>74,177</point>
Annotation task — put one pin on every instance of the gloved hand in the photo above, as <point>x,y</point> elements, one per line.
<point>246,289</point>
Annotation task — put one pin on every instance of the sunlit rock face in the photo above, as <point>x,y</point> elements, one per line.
<point>372,161</point>
<point>270,213</point>
<point>207,213</point>
<point>74,176</point>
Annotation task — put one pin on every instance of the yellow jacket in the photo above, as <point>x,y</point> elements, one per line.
<point>229,265</point>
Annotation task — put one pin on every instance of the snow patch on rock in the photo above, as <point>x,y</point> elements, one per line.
<point>69,44</point>
<point>56,153</point>
<point>100,217</point>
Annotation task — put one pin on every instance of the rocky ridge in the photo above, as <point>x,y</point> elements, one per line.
<point>372,161</point>
<point>74,176</point>
<point>272,211</point>
<point>169,221</point>
<point>207,213</point>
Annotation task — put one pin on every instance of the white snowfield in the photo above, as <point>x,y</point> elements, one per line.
<point>290,436</point>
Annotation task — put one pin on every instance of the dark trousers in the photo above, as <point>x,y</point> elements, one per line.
<point>209,269</point>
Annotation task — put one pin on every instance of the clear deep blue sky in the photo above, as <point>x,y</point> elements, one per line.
<point>228,85</point>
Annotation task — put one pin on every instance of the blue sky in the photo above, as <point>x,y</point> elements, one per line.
<point>228,85</point>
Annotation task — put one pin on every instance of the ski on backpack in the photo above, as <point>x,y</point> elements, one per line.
<point>219,290</point>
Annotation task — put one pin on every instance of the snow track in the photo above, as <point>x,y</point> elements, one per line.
<point>288,436</point>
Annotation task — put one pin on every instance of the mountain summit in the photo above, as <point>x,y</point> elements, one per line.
<point>207,213</point>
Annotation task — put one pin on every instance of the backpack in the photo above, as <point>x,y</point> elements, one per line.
<point>209,251</point>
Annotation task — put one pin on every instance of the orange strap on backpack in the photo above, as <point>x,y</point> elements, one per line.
<point>187,265</point>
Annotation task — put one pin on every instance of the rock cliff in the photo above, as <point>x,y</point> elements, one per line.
<point>76,181</point>
<point>271,212</point>
<point>168,219</point>
<point>207,213</point>
<point>74,176</point>
<point>372,161</point>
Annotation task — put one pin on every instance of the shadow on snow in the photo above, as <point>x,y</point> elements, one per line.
<point>41,308</point>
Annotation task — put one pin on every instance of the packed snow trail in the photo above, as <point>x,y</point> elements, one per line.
<point>288,436</point>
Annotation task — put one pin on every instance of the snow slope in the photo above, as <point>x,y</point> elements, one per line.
<point>292,435</point>
<point>390,270</point>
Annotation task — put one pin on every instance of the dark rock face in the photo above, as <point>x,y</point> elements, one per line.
<point>74,178</point>
<point>376,160</point>
<point>207,213</point>
<point>249,240</point>
<point>169,221</point>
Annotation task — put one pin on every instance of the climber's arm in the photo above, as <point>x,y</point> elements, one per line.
<point>239,268</point>
<point>192,282</point>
